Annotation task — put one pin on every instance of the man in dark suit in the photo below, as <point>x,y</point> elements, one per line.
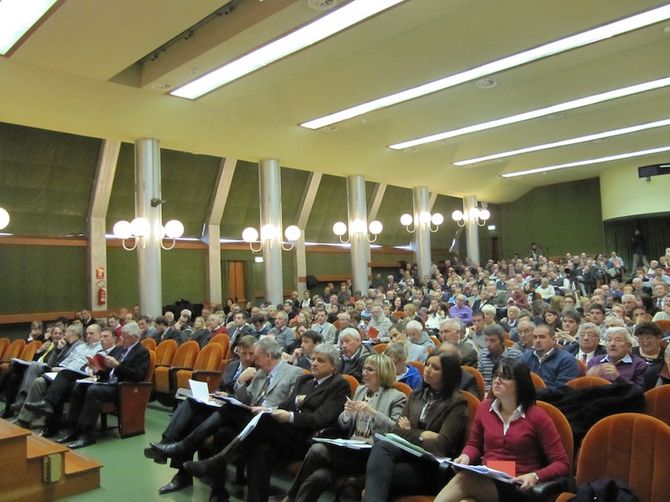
<point>588,344</point>
<point>271,384</point>
<point>315,403</point>
<point>61,388</point>
<point>131,366</point>
<point>352,354</point>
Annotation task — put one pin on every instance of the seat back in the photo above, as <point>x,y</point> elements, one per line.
<point>380,347</point>
<point>563,428</point>
<point>149,343</point>
<point>435,340</point>
<point>473,404</point>
<point>631,447</point>
<point>14,349</point>
<point>221,339</point>
<point>481,387</point>
<point>538,383</point>
<point>209,358</point>
<point>658,403</point>
<point>664,325</point>
<point>152,366</point>
<point>165,352</point>
<point>28,352</point>
<point>353,383</point>
<point>586,382</point>
<point>403,387</point>
<point>4,343</point>
<point>418,365</point>
<point>185,355</point>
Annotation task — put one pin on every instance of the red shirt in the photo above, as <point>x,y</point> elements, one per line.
<point>531,441</point>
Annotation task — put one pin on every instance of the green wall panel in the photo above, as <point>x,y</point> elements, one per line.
<point>395,203</point>
<point>330,206</point>
<point>46,179</point>
<point>184,275</point>
<point>122,290</point>
<point>242,207</point>
<point>42,279</point>
<point>561,218</point>
<point>293,183</point>
<point>122,199</point>
<point>328,263</point>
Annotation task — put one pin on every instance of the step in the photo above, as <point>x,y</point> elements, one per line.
<point>10,431</point>
<point>41,447</point>
<point>82,474</point>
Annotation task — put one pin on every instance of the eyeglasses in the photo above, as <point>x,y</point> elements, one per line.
<point>369,369</point>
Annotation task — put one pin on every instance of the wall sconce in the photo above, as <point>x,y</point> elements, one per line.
<point>140,228</point>
<point>476,215</point>
<point>358,227</point>
<point>425,218</point>
<point>268,233</point>
<point>4,218</point>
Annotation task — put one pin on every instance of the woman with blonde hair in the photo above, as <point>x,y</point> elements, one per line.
<point>375,407</point>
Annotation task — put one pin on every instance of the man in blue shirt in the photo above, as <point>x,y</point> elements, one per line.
<point>554,365</point>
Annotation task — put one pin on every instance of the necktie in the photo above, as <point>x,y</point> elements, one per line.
<point>584,357</point>
<point>263,391</point>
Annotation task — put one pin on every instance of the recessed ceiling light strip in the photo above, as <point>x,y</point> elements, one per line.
<point>540,112</point>
<point>579,40</point>
<point>334,22</point>
<point>17,17</point>
<point>566,142</point>
<point>599,160</point>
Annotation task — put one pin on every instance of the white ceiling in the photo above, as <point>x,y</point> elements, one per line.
<point>66,76</point>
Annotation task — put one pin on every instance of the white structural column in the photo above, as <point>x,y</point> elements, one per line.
<point>148,187</point>
<point>375,203</point>
<point>212,235</point>
<point>269,175</point>
<point>358,231</point>
<point>308,199</point>
<point>97,214</point>
<point>421,202</point>
<point>471,229</point>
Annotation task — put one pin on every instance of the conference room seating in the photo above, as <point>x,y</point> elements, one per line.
<point>207,368</point>
<point>657,403</point>
<point>165,377</point>
<point>586,382</point>
<point>481,386</point>
<point>149,344</point>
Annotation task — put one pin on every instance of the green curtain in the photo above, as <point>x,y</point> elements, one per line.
<point>656,231</point>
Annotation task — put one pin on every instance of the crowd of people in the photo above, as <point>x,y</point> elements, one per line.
<point>557,318</point>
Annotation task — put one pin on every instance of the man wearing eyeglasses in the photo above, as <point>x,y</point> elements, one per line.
<point>587,345</point>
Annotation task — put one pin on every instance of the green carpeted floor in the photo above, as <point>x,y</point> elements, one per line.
<point>127,476</point>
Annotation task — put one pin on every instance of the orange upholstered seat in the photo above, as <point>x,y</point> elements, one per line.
<point>28,352</point>
<point>353,384</point>
<point>207,367</point>
<point>479,378</point>
<point>403,387</point>
<point>658,403</point>
<point>13,350</point>
<point>630,447</point>
<point>149,343</point>
<point>165,352</point>
<point>132,403</point>
<point>165,377</point>
<point>537,381</point>
<point>586,382</point>
<point>380,347</point>
<point>563,428</point>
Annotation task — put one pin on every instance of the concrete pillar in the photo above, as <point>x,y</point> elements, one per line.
<point>148,187</point>
<point>308,198</point>
<point>471,229</point>
<point>97,224</point>
<point>358,231</point>
<point>269,175</point>
<point>421,200</point>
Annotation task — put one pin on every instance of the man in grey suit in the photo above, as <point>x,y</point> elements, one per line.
<point>263,386</point>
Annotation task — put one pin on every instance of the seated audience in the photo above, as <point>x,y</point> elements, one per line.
<point>376,407</point>
<point>352,354</point>
<point>649,337</point>
<point>509,428</point>
<point>587,345</point>
<point>302,356</point>
<point>405,373</point>
<point>554,365</point>
<point>323,327</point>
<point>619,365</point>
<point>435,419</point>
<point>315,403</point>
<point>414,352</point>
<point>417,335</point>
<point>453,330</point>
<point>494,350</point>
<point>281,332</point>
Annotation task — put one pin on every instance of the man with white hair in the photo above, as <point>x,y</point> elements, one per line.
<point>379,322</point>
<point>352,354</point>
<point>131,366</point>
<point>417,335</point>
<point>619,365</point>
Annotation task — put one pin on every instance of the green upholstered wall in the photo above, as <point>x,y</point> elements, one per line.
<point>561,218</point>
<point>42,279</point>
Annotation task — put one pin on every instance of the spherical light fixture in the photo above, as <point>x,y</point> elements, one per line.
<point>268,232</point>
<point>406,219</point>
<point>4,218</point>
<point>376,227</point>
<point>174,229</point>
<point>457,215</point>
<point>122,230</point>
<point>292,233</point>
<point>339,229</point>
<point>437,219</point>
<point>484,214</point>
<point>141,227</point>
<point>250,234</point>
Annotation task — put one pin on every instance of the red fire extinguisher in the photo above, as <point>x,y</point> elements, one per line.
<point>102,295</point>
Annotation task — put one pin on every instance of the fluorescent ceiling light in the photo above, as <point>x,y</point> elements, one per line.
<point>599,160</point>
<point>565,44</point>
<point>566,142</point>
<point>334,22</point>
<point>540,112</point>
<point>17,17</point>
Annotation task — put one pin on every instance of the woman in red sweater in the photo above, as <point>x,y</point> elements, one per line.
<point>509,428</point>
